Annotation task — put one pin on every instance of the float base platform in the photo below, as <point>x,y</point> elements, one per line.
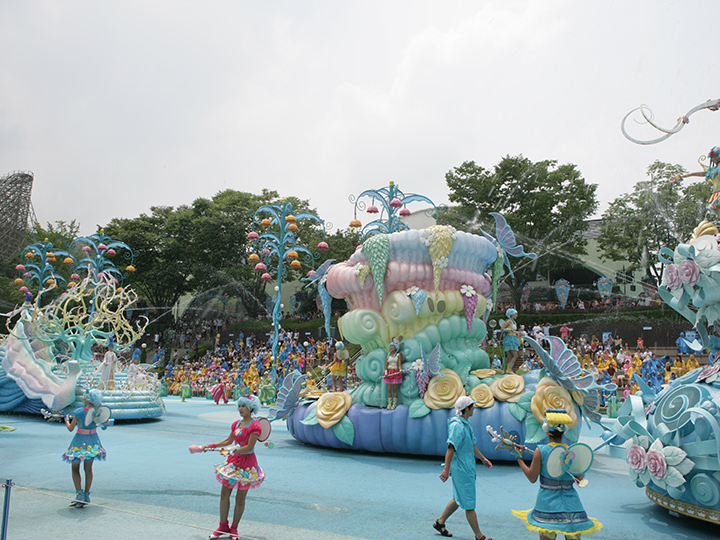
<point>152,487</point>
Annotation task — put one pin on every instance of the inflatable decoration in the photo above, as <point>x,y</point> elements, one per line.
<point>429,290</point>
<point>47,358</point>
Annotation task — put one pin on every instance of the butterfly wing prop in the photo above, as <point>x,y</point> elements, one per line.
<point>99,415</point>
<point>576,459</point>
<point>288,396</point>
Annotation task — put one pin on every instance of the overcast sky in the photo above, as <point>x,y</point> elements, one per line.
<point>120,106</point>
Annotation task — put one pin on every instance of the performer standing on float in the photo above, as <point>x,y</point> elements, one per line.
<point>460,464</point>
<point>393,375</point>
<point>510,340</point>
<point>558,509</point>
<point>85,446</point>
<point>338,369</point>
<point>241,470</point>
<point>711,173</point>
<point>108,367</point>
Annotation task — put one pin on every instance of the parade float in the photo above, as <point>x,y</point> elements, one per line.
<point>671,439</point>
<point>430,291</point>
<point>74,301</point>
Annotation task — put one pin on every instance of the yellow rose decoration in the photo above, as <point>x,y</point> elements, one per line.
<point>483,395</point>
<point>331,407</point>
<point>508,388</point>
<point>442,392</point>
<point>483,373</point>
<point>550,395</point>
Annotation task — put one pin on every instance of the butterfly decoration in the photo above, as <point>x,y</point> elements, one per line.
<point>563,367</point>
<point>505,240</point>
<point>99,415</point>
<point>316,275</point>
<point>288,396</point>
<point>426,367</point>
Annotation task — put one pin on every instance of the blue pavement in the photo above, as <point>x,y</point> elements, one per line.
<point>308,492</point>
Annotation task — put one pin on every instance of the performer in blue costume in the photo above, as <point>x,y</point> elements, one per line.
<point>558,509</point>
<point>85,447</point>
<point>712,173</point>
<point>460,464</point>
<point>510,340</point>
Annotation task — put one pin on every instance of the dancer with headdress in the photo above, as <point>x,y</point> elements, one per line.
<point>85,446</point>
<point>712,173</point>
<point>240,470</point>
<point>510,339</point>
<point>460,465</point>
<point>558,509</point>
<point>393,375</point>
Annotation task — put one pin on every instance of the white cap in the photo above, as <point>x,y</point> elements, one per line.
<point>462,403</point>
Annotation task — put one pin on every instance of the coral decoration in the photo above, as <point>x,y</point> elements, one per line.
<point>252,235</point>
<point>253,257</point>
<point>418,297</point>
<point>266,277</point>
<point>102,247</point>
<point>260,267</point>
<point>470,300</point>
<point>439,239</point>
<point>110,252</point>
<point>292,254</point>
<point>20,267</point>
<point>405,212</point>
<point>290,219</point>
<point>376,250</point>
<point>396,203</point>
<point>362,271</point>
<point>295,264</point>
<point>355,224</point>
<point>265,223</point>
<point>292,227</point>
<point>323,245</point>
<point>130,268</point>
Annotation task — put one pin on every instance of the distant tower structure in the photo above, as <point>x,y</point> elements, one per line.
<point>15,209</point>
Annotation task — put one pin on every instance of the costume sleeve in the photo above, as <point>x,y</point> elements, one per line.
<point>454,433</point>
<point>254,427</point>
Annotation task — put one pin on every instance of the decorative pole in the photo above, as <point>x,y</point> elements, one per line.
<point>278,243</point>
<point>393,206</point>
<point>6,508</point>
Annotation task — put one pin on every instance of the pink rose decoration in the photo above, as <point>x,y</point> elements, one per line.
<point>672,277</point>
<point>657,467</point>
<point>636,458</point>
<point>689,272</point>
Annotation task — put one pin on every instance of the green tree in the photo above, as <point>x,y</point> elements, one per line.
<point>658,213</point>
<point>60,234</point>
<point>201,249</point>
<point>546,205</point>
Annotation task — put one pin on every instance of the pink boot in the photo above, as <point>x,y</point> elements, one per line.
<point>233,532</point>
<point>223,531</point>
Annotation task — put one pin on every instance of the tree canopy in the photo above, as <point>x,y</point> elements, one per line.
<point>546,205</point>
<point>658,213</point>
